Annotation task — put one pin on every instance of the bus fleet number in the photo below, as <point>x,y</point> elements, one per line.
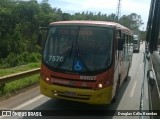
<point>56,58</point>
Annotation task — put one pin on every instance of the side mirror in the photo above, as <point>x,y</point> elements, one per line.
<point>42,35</point>
<point>39,41</point>
<point>120,44</point>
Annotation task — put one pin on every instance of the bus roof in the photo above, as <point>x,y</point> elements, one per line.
<point>92,23</point>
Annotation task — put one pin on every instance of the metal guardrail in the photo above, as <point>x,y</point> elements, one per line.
<point>16,76</point>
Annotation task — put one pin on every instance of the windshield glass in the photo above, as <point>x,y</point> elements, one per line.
<point>135,41</point>
<point>78,49</point>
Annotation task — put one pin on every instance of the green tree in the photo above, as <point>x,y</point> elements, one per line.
<point>66,16</point>
<point>132,21</point>
<point>143,35</point>
<point>112,17</point>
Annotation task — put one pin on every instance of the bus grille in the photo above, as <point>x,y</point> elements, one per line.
<point>80,80</point>
<point>72,83</point>
<point>77,96</point>
<point>72,86</point>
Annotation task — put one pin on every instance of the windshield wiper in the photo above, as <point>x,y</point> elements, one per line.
<point>68,55</point>
<point>79,57</point>
<point>74,52</point>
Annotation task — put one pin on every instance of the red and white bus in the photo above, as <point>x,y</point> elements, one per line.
<point>85,61</point>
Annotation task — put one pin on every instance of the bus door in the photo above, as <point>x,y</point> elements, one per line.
<point>130,50</point>
<point>126,53</point>
<point>123,58</point>
<point>116,63</point>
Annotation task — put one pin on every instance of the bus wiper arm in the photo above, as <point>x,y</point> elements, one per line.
<point>69,55</point>
<point>78,56</point>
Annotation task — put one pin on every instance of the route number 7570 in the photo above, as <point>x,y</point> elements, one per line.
<point>56,58</point>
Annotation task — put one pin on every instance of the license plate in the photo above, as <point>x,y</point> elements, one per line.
<point>73,94</point>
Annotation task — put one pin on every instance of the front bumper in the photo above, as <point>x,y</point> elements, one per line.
<point>102,96</point>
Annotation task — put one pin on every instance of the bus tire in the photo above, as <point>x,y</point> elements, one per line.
<point>126,78</point>
<point>117,88</point>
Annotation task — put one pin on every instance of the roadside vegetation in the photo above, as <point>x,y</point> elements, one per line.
<point>14,86</point>
<point>17,69</point>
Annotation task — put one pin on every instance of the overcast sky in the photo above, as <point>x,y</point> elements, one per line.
<point>141,7</point>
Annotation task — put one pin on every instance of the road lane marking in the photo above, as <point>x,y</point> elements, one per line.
<point>133,89</point>
<point>28,102</point>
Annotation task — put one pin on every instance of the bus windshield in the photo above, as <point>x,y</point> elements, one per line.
<point>135,41</point>
<point>78,48</point>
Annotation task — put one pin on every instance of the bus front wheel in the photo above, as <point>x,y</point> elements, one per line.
<point>126,78</point>
<point>117,88</point>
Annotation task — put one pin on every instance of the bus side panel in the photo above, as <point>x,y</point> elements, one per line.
<point>116,66</point>
<point>115,79</point>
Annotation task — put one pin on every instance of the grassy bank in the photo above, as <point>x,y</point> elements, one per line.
<point>14,86</point>
<point>17,69</point>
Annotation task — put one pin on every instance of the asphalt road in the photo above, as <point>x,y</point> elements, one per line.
<point>129,98</point>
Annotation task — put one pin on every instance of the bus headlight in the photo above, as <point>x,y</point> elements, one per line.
<point>103,84</point>
<point>100,85</point>
<point>47,79</point>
